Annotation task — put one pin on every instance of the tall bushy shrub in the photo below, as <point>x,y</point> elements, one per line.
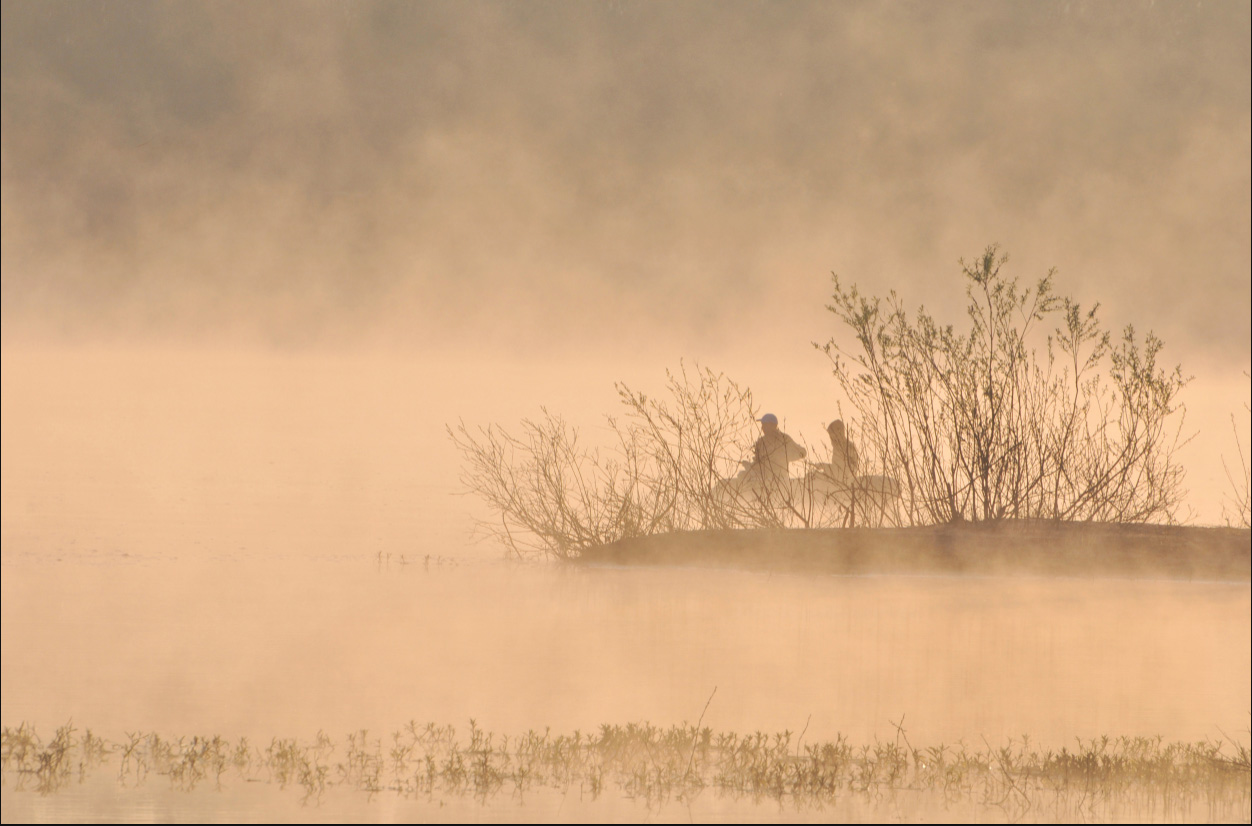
<point>1030,411</point>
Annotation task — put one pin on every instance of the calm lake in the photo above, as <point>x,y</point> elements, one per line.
<point>270,554</point>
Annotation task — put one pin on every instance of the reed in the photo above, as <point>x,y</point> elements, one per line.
<point>1102,778</point>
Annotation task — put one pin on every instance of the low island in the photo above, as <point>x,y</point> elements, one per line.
<point>1008,547</point>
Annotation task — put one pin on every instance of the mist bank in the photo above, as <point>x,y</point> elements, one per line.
<point>553,172</point>
<point>142,449</point>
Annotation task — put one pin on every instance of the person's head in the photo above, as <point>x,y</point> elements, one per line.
<point>835,429</point>
<point>769,423</point>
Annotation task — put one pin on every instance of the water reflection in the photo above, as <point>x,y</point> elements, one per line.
<point>288,646</point>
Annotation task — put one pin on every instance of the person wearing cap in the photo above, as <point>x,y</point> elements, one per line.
<point>773,452</point>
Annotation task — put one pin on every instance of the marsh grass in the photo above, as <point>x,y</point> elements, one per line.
<point>1100,779</point>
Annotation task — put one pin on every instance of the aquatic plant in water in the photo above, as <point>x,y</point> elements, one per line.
<point>1102,778</point>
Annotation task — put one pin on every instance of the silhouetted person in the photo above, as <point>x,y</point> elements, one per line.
<point>844,460</point>
<point>773,452</point>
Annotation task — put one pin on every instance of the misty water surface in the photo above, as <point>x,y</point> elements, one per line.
<point>272,548</point>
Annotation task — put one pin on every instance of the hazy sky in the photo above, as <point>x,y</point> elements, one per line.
<point>536,174</point>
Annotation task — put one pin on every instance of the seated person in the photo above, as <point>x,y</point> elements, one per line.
<point>844,459</point>
<point>773,452</point>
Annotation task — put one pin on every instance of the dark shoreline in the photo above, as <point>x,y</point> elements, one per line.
<point>1001,548</point>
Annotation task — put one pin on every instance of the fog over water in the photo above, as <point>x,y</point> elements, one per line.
<point>517,175</point>
<point>256,258</point>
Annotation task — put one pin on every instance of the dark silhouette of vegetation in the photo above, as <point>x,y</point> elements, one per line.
<point>555,496</point>
<point>1032,411</point>
<point>672,463</point>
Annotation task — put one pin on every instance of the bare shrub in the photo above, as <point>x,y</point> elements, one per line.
<point>977,425</point>
<point>681,451</point>
<point>661,470</point>
<point>1237,507</point>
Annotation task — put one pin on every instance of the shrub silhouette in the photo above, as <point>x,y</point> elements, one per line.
<point>977,424</point>
<point>554,496</point>
<point>1032,412</point>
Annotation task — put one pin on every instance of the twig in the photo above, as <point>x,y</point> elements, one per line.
<point>696,734</point>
